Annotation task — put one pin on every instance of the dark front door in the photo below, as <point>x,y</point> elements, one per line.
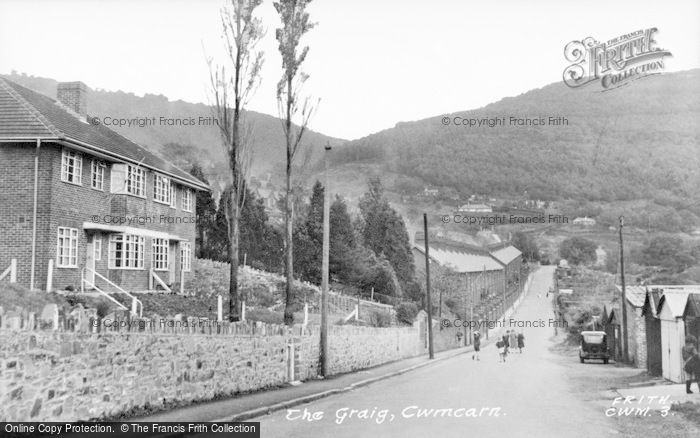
<point>653,329</point>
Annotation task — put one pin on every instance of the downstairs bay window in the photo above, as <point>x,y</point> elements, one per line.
<point>126,251</point>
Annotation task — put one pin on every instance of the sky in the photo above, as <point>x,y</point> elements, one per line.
<point>372,63</point>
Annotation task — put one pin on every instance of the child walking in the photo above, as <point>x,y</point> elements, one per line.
<point>501,350</point>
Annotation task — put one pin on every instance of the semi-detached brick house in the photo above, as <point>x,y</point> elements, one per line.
<point>77,198</point>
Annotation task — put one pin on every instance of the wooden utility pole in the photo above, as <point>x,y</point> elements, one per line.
<point>471,311</point>
<point>625,351</point>
<point>427,288</point>
<point>324,268</point>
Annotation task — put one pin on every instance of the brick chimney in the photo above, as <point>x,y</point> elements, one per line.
<point>74,96</point>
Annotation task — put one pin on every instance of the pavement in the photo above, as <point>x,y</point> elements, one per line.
<point>656,397</point>
<point>263,402</point>
<point>527,396</point>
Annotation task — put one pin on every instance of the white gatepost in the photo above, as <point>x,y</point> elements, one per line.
<point>13,271</point>
<point>306,314</point>
<point>55,319</point>
<point>134,307</point>
<point>290,362</point>
<point>49,277</point>
<point>219,308</point>
<point>242,310</point>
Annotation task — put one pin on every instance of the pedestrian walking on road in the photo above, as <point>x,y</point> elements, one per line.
<point>501,346</point>
<point>477,345</point>
<point>506,340</point>
<point>521,341</point>
<point>513,340</point>
<point>691,362</point>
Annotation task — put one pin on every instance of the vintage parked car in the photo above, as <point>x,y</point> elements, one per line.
<point>593,345</point>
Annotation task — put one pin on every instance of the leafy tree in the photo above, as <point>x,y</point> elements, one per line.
<point>527,245</point>
<point>384,232</point>
<point>668,252</point>
<point>308,239</point>
<point>232,85</point>
<point>260,242</point>
<point>578,250</point>
<point>343,241</point>
<point>295,23</point>
<point>205,211</point>
<point>406,312</point>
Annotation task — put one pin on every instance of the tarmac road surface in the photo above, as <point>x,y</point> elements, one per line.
<point>527,396</point>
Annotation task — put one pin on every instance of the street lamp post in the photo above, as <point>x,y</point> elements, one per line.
<point>324,268</point>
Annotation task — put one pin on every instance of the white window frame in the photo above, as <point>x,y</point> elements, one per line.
<point>72,167</point>
<point>187,195</point>
<point>98,175</point>
<point>185,256</point>
<point>130,254</point>
<point>162,189</point>
<point>136,181</point>
<point>160,254</point>
<point>173,194</point>
<point>67,247</point>
<point>97,249</point>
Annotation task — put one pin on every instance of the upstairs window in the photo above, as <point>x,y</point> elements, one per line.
<point>161,189</point>
<point>187,200</point>
<point>136,181</point>
<point>98,175</point>
<point>71,167</point>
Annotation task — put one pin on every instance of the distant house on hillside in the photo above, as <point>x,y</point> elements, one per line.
<point>269,196</point>
<point>475,208</point>
<point>430,192</point>
<point>584,221</point>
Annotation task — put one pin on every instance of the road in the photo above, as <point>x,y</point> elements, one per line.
<point>527,396</point>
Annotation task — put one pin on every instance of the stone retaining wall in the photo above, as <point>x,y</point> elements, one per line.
<point>69,372</point>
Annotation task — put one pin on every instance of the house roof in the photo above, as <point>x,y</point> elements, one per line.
<point>507,254</point>
<point>675,302</point>
<point>26,115</point>
<point>461,261</point>
<point>692,306</point>
<point>651,302</point>
<point>636,295</point>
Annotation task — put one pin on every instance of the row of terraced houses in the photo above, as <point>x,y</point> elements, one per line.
<point>82,205</point>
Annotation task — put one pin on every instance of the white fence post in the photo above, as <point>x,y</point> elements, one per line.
<point>290,362</point>
<point>49,276</point>
<point>13,271</point>
<point>219,308</point>
<point>306,314</point>
<point>242,310</point>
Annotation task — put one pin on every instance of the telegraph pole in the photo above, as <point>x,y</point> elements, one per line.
<point>471,313</point>
<point>427,288</point>
<point>624,295</point>
<point>325,267</point>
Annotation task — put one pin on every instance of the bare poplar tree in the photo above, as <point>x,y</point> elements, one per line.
<point>232,85</point>
<point>295,23</point>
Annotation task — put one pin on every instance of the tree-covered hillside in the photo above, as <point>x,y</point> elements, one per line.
<point>185,145</point>
<point>638,142</point>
